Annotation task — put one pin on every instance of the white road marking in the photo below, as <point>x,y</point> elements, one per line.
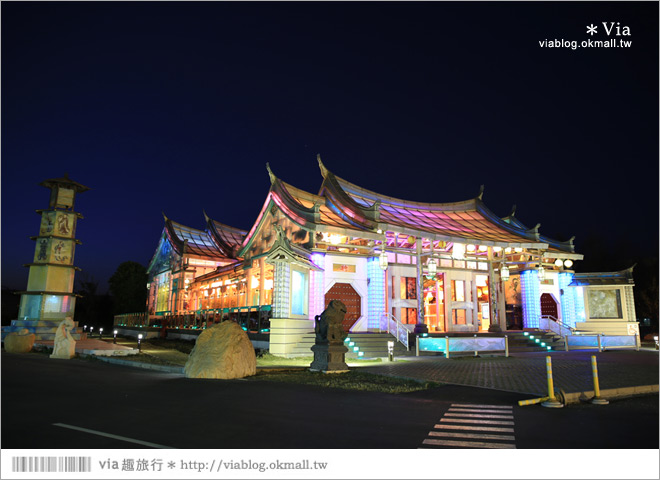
<point>470,420</point>
<point>479,415</point>
<point>482,436</point>
<point>504,407</point>
<point>470,427</point>
<point>468,423</point>
<point>110,435</point>
<point>477,410</point>
<point>455,443</point>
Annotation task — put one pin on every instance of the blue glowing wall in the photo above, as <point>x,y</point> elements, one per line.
<point>375,293</point>
<point>317,286</point>
<point>531,298</point>
<point>572,300</point>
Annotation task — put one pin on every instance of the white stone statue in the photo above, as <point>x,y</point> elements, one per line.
<point>65,345</point>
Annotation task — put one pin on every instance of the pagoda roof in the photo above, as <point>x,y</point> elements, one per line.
<point>66,182</point>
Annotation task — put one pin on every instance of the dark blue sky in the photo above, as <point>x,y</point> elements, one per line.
<point>176,107</point>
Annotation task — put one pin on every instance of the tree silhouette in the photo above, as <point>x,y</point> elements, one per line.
<point>128,286</point>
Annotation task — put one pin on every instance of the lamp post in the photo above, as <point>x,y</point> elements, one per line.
<point>140,342</point>
<point>100,333</point>
<point>114,340</point>
<point>91,330</point>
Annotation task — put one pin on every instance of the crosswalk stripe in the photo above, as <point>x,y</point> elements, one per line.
<point>470,420</point>
<point>471,427</point>
<point>483,436</point>
<point>456,443</point>
<point>476,410</point>
<point>479,415</point>
<point>506,407</point>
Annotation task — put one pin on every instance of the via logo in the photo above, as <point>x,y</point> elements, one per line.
<point>617,30</point>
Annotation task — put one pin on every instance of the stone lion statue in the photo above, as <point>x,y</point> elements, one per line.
<point>65,345</point>
<point>328,327</point>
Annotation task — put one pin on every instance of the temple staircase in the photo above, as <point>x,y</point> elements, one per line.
<point>526,340</point>
<point>360,346</point>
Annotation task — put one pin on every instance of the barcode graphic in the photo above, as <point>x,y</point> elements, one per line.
<point>51,464</point>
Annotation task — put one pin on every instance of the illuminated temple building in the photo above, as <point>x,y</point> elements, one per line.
<point>433,267</point>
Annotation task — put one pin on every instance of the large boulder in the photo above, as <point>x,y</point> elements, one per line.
<point>222,351</point>
<point>19,342</point>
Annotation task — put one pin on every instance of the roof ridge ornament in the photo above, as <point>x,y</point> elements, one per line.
<point>535,231</point>
<point>513,211</point>
<point>481,192</point>
<point>324,170</point>
<point>271,175</point>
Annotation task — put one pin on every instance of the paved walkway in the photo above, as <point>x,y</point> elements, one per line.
<point>526,372</point>
<point>91,346</point>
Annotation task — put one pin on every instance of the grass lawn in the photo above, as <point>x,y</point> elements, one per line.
<point>352,380</point>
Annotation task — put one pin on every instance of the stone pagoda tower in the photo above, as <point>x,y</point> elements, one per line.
<point>49,297</point>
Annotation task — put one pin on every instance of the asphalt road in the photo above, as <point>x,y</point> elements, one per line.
<point>43,398</point>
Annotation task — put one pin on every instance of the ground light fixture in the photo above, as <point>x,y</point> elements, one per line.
<point>115,336</point>
<point>91,329</point>
<point>101,332</point>
<point>140,342</point>
<point>390,351</point>
<point>84,328</point>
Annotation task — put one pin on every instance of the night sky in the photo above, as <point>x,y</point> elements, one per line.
<point>176,108</point>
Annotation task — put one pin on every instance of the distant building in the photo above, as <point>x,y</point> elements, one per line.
<point>441,267</point>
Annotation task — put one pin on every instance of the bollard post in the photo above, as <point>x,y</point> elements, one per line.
<point>476,353</point>
<point>566,342</point>
<point>446,347</point>
<point>552,401</point>
<point>597,400</point>
<point>506,346</point>
<point>417,347</point>
<point>637,342</point>
<point>600,348</point>
<point>532,401</point>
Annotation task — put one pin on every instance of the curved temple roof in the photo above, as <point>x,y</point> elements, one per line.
<point>219,240</point>
<point>343,205</point>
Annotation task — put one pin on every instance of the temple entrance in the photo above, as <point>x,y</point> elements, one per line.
<point>549,305</point>
<point>345,293</point>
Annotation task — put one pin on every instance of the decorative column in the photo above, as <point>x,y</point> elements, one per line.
<point>281,290</point>
<point>531,298</point>
<point>420,327</point>
<point>317,286</point>
<point>568,302</point>
<point>375,293</point>
<point>49,298</point>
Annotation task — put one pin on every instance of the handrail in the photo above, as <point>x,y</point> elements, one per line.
<point>560,328</point>
<point>397,329</point>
